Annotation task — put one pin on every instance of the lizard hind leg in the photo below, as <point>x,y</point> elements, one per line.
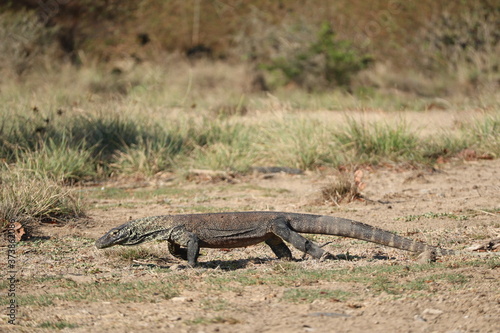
<point>281,229</point>
<point>279,248</point>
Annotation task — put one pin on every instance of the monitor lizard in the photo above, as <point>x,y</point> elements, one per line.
<point>187,233</point>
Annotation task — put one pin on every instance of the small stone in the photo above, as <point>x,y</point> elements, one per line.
<point>419,318</point>
<point>181,299</point>
<point>435,312</point>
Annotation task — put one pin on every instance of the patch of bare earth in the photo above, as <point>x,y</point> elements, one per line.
<point>247,290</point>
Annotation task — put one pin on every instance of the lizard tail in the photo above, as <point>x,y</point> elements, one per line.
<point>336,226</point>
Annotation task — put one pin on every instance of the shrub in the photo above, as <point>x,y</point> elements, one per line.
<point>24,40</point>
<point>324,62</point>
<point>463,47</point>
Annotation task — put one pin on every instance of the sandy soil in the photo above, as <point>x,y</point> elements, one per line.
<point>455,205</point>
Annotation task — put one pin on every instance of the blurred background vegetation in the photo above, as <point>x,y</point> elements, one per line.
<point>426,48</point>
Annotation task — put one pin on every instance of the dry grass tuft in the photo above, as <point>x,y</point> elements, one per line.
<point>27,198</point>
<point>345,188</point>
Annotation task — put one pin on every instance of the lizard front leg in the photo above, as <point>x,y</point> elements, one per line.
<point>193,249</point>
<point>181,237</point>
<point>283,230</point>
<point>177,251</point>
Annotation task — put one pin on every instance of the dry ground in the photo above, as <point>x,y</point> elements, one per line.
<point>65,283</point>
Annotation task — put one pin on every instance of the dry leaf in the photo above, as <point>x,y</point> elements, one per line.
<point>18,231</point>
<point>358,177</point>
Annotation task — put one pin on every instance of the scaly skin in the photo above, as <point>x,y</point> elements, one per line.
<point>239,229</point>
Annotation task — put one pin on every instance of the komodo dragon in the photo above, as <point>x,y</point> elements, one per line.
<point>239,229</point>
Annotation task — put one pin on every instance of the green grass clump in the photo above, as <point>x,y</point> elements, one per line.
<point>59,161</point>
<point>376,142</point>
<point>297,142</point>
<point>58,325</point>
<point>148,157</point>
<point>222,145</point>
<point>485,134</point>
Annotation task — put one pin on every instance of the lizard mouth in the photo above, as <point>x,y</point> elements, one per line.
<point>106,241</point>
<point>101,244</point>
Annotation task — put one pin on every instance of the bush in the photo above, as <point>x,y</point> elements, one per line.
<point>24,40</point>
<point>323,63</point>
<point>462,47</point>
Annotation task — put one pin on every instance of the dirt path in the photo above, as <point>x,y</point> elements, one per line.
<point>247,290</point>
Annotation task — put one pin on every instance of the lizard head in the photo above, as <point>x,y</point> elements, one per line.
<point>136,231</point>
<point>121,235</point>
